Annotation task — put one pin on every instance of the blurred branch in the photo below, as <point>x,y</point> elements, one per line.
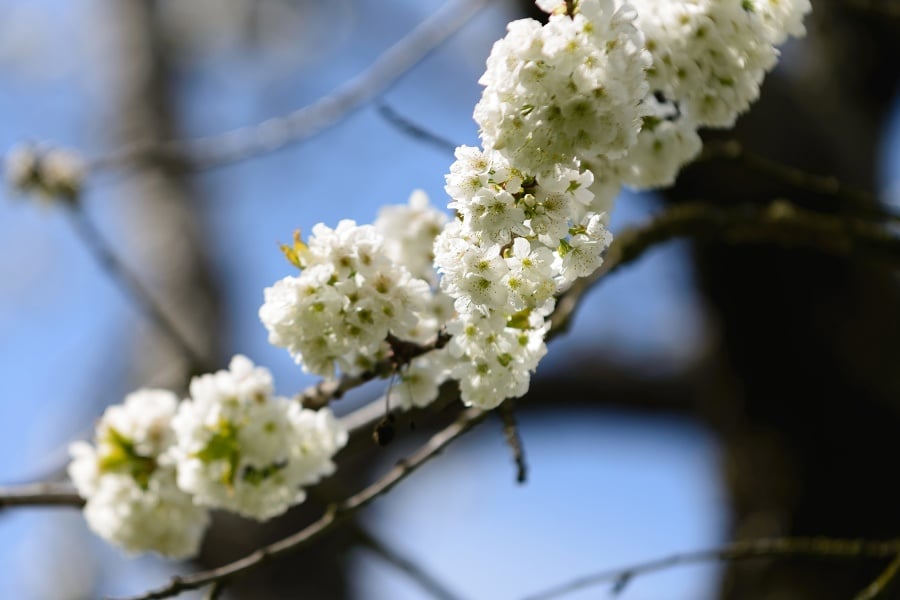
<point>272,134</point>
<point>414,571</point>
<point>743,550</point>
<point>215,591</point>
<point>320,394</point>
<point>882,8</point>
<point>131,285</point>
<point>778,224</point>
<point>414,130</point>
<point>40,494</point>
<point>514,439</point>
<point>333,515</point>
<point>876,588</point>
<point>825,185</point>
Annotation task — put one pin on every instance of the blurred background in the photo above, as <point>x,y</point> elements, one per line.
<point>704,394</point>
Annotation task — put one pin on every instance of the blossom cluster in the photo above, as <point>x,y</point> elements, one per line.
<point>158,466</point>
<point>606,93</point>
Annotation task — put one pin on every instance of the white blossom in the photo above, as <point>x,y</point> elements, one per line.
<point>339,311</point>
<point>494,359</point>
<point>409,231</point>
<point>710,56</point>
<point>128,481</point>
<point>242,449</point>
<point>567,91</point>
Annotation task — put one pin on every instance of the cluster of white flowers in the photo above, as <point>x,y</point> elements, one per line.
<point>128,479</point>
<point>569,90</point>
<point>606,93</point>
<point>517,240</point>
<point>338,313</point>
<point>709,60</point>
<point>158,466</point>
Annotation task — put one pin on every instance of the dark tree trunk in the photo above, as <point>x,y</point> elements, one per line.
<point>808,404</point>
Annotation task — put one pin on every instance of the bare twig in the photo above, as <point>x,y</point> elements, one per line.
<point>877,8</point>
<point>514,439</point>
<point>333,515</point>
<point>130,284</point>
<point>414,130</point>
<point>877,588</point>
<point>824,185</point>
<point>40,494</point>
<point>779,224</point>
<point>320,394</point>
<point>268,136</point>
<point>743,550</point>
<point>215,590</point>
<point>414,571</point>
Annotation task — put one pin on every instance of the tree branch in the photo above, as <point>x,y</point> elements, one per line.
<point>40,494</point>
<point>779,224</point>
<point>875,589</point>
<point>824,185</point>
<point>272,134</point>
<point>414,130</point>
<point>414,571</point>
<point>319,395</point>
<point>514,439</point>
<point>333,515</point>
<point>129,283</point>
<point>743,550</point>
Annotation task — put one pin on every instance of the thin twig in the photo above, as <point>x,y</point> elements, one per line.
<point>414,130</point>
<point>333,515</point>
<point>320,394</point>
<point>743,550</point>
<point>215,590</point>
<point>824,185</point>
<point>877,587</point>
<point>414,571</point>
<point>877,8</point>
<point>778,224</point>
<point>272,134</point>
<point>131,285</point>
<point>40,494</point>
<point>514,439</point>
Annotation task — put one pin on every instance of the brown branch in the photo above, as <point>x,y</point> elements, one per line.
<point>743,550</point>
<point>824,185</point>
<point>320,394</point>
<point>878,8</point>
<point>40,494</point>
<point>876,588</point>
<point>130,284</point>
<point>779,224</point>
<point>414,571</point>
<point>333,515</point>
<point>514,439</point>
<point>414,130</point>
<point>272,134</point>
<point>215,591</point>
